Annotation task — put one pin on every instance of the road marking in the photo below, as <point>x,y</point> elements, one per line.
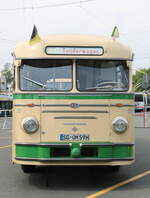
<point>106,190</point>
<point>7,146</point>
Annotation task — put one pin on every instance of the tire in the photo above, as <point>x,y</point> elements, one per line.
<point>28,168</point>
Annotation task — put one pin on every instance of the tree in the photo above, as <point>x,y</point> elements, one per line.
<point>7,72</point>
<point>137,79</point>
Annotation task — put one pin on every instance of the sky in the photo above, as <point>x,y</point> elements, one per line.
<point>95,17</point>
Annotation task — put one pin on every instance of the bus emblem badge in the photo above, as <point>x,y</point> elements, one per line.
<point>74,105</point>
<point>74,129</point>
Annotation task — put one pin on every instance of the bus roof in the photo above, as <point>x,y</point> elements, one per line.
<point>112,49</point>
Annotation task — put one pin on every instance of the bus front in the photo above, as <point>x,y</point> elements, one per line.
<point>73,105</point>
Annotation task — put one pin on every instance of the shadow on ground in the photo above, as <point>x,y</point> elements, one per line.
<point>75,178</point>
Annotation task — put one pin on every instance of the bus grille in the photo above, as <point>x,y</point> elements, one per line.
<point>89,152</point>
<point>60,152</point>
<point>66,152</point>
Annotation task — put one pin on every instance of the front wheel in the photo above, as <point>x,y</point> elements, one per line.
<point>28,168</point>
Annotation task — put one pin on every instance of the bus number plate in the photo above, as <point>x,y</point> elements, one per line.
<point>74,137</point>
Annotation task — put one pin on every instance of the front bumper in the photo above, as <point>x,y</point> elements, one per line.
<point>74,152</point>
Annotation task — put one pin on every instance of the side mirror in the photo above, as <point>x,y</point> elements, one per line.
<point>145,81</point>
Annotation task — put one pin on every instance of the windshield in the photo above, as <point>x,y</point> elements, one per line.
<point>46,75</point>
<point>99,75</point>
<point>139,97</point>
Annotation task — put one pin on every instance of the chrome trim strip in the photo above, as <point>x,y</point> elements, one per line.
<point>80,105</point>
<point>87,105</point>
<point>77,124</point>
<point>74,159</point>
<point>75,117</point>
<point>106,145</point>
<point>70,111</point>
<point>44,145</point>
<point>81,144</point>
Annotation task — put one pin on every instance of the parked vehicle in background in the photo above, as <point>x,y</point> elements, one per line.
<point>140,101</point>
<point>6,103</point>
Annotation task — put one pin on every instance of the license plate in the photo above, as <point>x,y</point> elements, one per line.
<point>74,137</point>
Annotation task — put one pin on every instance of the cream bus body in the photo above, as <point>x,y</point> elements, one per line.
<point>89,121</point>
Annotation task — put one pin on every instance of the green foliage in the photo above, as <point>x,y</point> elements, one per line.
<point>137,79</point>
<point>7,72</point>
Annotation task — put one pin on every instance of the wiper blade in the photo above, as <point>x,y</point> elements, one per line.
<point>100,88</point>
<point>35,82</point>
<point>104,87</point>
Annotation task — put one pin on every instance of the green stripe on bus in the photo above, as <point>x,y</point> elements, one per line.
<point>115,152</point>
<point>28,151</point>
<point>76,97</point>
<point>32,151</point>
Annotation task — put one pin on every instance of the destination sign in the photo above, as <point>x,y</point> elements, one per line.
<point>95,51</point>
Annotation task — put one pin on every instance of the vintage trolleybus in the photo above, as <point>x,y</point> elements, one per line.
<point>73,103</point>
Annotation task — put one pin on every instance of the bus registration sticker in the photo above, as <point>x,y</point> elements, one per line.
<point>74,137</point>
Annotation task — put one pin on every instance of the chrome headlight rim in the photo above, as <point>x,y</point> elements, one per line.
<point>26,120</point>
<point>114,125</point>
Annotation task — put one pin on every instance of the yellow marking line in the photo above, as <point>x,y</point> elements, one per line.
<point>7,146</point>
<point>106,190</point>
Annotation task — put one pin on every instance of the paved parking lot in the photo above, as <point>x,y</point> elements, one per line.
<point>76,182</point>
<point>140,118</point>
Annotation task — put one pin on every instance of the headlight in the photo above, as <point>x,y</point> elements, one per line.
<point>30,125</point>
<point>120,125</point>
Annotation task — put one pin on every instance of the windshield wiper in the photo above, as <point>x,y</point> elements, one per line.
<point>35,82</point>
<point>105,87</point>
<point>97,88</point>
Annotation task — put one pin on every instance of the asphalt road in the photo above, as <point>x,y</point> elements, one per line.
<point>75,182</point>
